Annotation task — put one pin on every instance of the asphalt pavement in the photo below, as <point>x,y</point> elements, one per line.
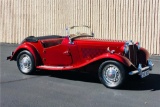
<point>72,89</point>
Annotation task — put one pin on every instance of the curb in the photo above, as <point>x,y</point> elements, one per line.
<point>8,44</point>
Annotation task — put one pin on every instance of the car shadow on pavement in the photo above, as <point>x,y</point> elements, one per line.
<point>152,82</point>
<point>71,75</point>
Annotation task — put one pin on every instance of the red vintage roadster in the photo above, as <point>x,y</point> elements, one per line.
<point>113,60</point>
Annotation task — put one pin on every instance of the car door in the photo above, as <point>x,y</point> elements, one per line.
<point>58,55</point>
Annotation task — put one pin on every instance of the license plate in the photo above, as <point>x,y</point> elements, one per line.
<point>144,74</point>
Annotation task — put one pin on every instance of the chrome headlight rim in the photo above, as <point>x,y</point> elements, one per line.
<point>126,48</point>
<point>138,45</point>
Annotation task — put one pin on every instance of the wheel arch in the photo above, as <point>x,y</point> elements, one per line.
<point>114,57</point>
<point>96,62</point>
<point>32,50</point>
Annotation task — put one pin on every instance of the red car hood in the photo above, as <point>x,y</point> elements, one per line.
<point>99,42</point>
<point>99,46</point>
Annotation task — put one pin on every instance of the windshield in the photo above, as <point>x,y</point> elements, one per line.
<point>79,31</point>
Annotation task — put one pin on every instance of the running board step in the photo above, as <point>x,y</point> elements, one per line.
<point>45,67</point>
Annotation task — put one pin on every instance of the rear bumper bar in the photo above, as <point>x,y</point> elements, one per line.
<point>140,69</point>
<point>9,57</point>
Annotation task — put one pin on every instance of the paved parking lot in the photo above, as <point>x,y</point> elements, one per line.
<point>72,89</point>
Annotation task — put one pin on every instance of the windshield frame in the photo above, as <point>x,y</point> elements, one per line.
<point>78,34</point>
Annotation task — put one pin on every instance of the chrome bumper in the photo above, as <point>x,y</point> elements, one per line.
<point>140,69</point>
<point>9,57</point>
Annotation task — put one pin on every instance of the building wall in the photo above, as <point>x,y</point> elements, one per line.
<point>137,20</point>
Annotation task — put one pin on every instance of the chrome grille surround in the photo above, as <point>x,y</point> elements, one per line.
<point>132,52</point>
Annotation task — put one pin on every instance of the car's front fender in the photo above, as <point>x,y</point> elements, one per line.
<point>115,57</point>
<point>143,56</point>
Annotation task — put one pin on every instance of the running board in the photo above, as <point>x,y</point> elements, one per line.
<point>45,67</point>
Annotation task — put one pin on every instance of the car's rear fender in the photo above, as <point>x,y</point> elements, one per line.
<point>31,49</point>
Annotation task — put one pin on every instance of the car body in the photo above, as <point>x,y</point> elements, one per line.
<point>113,60</point>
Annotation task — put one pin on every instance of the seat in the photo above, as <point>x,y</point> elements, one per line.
<point>51,42</point>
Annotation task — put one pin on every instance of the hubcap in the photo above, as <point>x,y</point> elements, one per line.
<point>25,63</point>
<point>111,75</point>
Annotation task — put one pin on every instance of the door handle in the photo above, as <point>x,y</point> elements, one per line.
<point>67,53</point>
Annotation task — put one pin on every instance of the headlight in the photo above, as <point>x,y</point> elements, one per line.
<point>126,48</point>
<point>138,45</point>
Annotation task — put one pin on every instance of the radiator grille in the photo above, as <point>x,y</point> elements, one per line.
<point>132,54</point>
